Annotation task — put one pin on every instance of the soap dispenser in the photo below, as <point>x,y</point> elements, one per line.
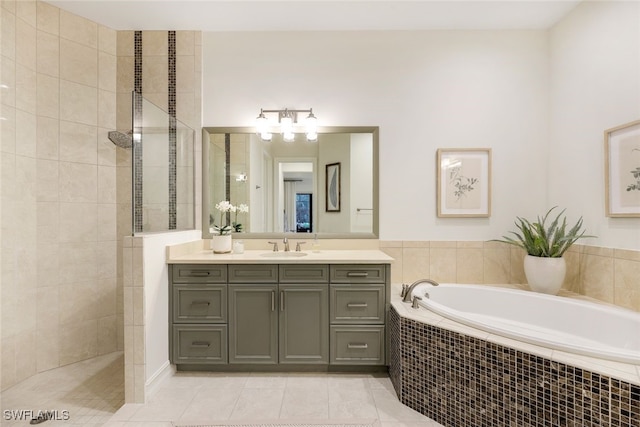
<point>315,246</point>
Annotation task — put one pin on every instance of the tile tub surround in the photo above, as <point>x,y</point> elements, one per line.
<point>606,274</point>
<point>461,376</point>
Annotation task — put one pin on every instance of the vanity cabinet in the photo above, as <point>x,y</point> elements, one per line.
<point>358,314</point>
<point>198,314</point>
<point>278,321</point>
<point>278,314</point>
<point>253,332</point>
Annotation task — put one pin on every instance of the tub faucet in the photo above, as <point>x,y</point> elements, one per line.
<point>407,295</point>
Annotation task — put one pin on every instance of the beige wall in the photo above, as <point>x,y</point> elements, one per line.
<point>66,189</point>
<point>609,275</point>
<point>59,241</point>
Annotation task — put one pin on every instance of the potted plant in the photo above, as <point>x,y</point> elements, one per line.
<point>545,244</point>
<point>221,238</point>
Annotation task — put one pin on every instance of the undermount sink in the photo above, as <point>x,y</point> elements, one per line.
<point>283,254</point>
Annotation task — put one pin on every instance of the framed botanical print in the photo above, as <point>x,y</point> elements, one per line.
<point>464,182</point>
<point>622,170</point>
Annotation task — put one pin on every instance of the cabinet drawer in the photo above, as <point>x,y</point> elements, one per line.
<point>199,344</point>
<point>199,304</point>
<point>363,273</point>
<point>258,273</point>
<point>357,345</point>
<point>199,273</point>
<point>357,304</point>
<point>304,273</point>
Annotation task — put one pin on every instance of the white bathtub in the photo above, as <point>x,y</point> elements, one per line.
<point>561,323</point>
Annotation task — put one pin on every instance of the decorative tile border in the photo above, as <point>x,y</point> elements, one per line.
<point>137,130</point>
<point>173,197</point>
<point>460,380</point>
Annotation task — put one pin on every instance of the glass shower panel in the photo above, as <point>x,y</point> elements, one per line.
<point>163,170</point>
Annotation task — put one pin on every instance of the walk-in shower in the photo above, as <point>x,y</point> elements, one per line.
<point>162,168</point>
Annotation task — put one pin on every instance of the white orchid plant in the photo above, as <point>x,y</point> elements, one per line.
<point>242,208</point>
<point>225,207</point>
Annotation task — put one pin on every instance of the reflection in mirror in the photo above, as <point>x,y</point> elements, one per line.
<point>285,184</point>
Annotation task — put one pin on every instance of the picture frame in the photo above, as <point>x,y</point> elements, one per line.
<point>463,182</point>
<point>622,170</point>
<point>332,187</point>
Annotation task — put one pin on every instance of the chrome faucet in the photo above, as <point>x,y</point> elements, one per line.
<point>286,244</point>
<point>407,294</point>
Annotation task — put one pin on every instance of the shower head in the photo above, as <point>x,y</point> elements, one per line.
<point>121,139</point>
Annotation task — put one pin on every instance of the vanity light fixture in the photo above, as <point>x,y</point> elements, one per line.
<point>287,124</point>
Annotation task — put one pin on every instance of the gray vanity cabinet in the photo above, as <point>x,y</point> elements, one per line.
<point>304,314</point>
<point>358,314</point>
<point>253,323</point>
<point>278,314</point>
<point>283,319</point>
<point>198,297</point>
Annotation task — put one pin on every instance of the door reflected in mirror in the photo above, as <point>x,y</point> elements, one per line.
<point>285,183</point>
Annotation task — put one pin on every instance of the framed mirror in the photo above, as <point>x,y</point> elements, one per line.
<point>328,187</point>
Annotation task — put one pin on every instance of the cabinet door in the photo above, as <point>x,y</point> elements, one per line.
<point>304,324</point>
<point>253,324</point>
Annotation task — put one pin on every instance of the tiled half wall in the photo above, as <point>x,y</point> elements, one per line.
<point>459,380</point>
<point>606,274</point>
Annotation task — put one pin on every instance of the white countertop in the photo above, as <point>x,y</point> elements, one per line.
<point>267,257</point>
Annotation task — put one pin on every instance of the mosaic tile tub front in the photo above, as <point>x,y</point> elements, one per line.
<point>459,380</point>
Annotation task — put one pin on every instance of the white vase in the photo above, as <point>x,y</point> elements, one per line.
<point>221,244</point>
<point>545,274</point>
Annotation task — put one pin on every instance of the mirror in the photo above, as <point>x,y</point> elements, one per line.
<point>328,187</point>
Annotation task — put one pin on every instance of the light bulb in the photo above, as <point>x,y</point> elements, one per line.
<point>261,123</point>
<point>312,136</point>
<point>288,136</point>
<point>286,124</point>
<point>311,123</point>
<point>266,136</point>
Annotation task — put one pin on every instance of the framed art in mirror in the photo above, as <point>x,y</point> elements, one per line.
<point>332,190</point>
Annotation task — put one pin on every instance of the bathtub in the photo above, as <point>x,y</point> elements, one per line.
<point>561,323</point>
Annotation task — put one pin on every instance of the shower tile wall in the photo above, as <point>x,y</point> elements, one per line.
<point>184,95</point>
<point>609,275</point>
<point>59,240</point>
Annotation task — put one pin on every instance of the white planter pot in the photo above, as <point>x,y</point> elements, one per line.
<point>221,244</point>
<point>545,275</point>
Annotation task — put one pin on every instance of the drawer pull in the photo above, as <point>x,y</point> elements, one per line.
<point>200,344</point>
<point>357,274</point>
<point>357,305</point>
<point>207,303</point>
<point>199,273</point>
<point>354,345</point>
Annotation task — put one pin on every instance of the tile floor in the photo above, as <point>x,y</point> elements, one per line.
<point>93,393</point>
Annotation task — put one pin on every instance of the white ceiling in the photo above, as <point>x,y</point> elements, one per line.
<point>319,15</point>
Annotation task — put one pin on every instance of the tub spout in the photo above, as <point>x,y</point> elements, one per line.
<point>414,304</point>
<point>407,296</point>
